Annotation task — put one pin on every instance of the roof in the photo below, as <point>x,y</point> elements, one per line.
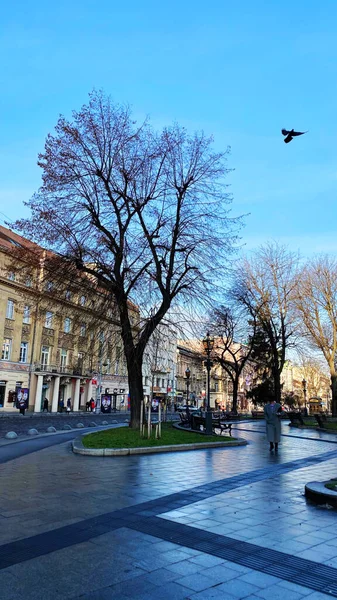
<point>11,240</point>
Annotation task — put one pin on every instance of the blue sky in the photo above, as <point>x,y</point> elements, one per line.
<point>238,70</point>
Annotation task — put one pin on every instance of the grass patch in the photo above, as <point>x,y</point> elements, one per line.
<point>124,437</point>
<point>332,485</point>
<point>331,426</point>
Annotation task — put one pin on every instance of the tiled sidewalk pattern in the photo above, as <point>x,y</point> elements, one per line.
<point>206,504</point>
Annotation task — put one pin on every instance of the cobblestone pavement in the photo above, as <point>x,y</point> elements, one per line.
<point>216,523</point>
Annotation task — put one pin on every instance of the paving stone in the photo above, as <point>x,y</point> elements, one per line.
<point>243,489</point>
<point>276,592</point>
<point>239,588</point>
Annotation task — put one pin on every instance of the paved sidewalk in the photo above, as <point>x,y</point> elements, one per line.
<point>216,523</point>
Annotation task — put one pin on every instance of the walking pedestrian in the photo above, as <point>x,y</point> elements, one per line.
<point>92,404</point>
<point>61,405</point>
<point>45,404</point>
<point>69,405</point>
<point>272,412</point>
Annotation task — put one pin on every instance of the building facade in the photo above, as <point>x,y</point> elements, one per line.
<point>159,366</point>
<point>57,342</point>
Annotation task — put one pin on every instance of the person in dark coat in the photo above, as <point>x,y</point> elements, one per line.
<point>69,405</point>
<point>45,404</point>
<point>61,405</point>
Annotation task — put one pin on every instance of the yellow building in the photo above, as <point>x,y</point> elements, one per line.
<point>57,341</point>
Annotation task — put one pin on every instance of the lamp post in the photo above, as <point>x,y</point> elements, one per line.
<point>188,375</point>
<point>99,389</point>
<point>304,385</point>
<point>208,343</point>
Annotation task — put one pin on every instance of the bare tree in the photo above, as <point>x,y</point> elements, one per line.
<point>266,288</point>
<point>231,328</point>
<point>316,303</point>
<point>143,213</point>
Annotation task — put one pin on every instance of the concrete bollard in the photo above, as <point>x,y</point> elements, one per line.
<point>11,435</point>
<point>51,429</point>
<point>33,431</point>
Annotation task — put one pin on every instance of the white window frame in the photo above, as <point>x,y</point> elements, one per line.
<point>45,354</point>
<point>26,314</point>
<point>63,358</point>
<point>10,309</point>
<point>83,300</point>
<point>23,352</point>
<point>83,329</point>
<point>48,323</point>
<point>67,325</point>
<point>6,349</point>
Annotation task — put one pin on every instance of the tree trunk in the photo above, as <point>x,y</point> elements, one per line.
<point>334,394</point>
<point>277,384</point>
<point>235,395</point>
<point>135,380</point>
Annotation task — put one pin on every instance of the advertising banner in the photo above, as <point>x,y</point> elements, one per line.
<point>106,403</point>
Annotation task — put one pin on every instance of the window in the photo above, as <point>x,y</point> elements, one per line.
<point>49,320</point>
<point>68,295</point>
<point>118,356</point>
<point>23,352</point>
<point>10,309</point>
<point>163,383</point>
<point>64,358</point>
<point>158,382</point>
<point>29,281</point>
<point>6,349</point>
<point>44,356</point>
<point>11,276</point>
<point>83,300</point>
<point>83,329</point>
<point>49,286</point>
<point>67,325</point>
<point>26,314</point>
<point>101,336</point>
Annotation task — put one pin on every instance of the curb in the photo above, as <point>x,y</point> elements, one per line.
<point>318,493</point>
<point>26,438</point>
<point>78,448</point>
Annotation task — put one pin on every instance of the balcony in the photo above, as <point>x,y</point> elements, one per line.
<point>58,369</point>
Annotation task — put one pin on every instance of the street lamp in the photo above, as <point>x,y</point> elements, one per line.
<point>188,374</point>
<point>208,343</point>
<point>304,385</point>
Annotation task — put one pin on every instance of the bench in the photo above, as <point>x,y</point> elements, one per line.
<point>321,419</point>
<point>198,421</point>
<point>184,419</point>
<point>257,414</point>
<point>295,418</point>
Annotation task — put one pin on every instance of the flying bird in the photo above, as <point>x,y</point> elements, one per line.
<point>291,134</point>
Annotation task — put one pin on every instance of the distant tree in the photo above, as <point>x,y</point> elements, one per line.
<point>316,303</point>
<point>262,392</point>
<point>143,213</point>
<point>266,288</point>
<point>233,346</point>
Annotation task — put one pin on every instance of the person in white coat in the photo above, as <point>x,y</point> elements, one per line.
<point>272,412</point>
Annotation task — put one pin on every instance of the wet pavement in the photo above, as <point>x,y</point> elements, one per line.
<point>216,523</point>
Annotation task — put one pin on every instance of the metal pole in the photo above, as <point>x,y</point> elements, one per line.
<point>208,412</point>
